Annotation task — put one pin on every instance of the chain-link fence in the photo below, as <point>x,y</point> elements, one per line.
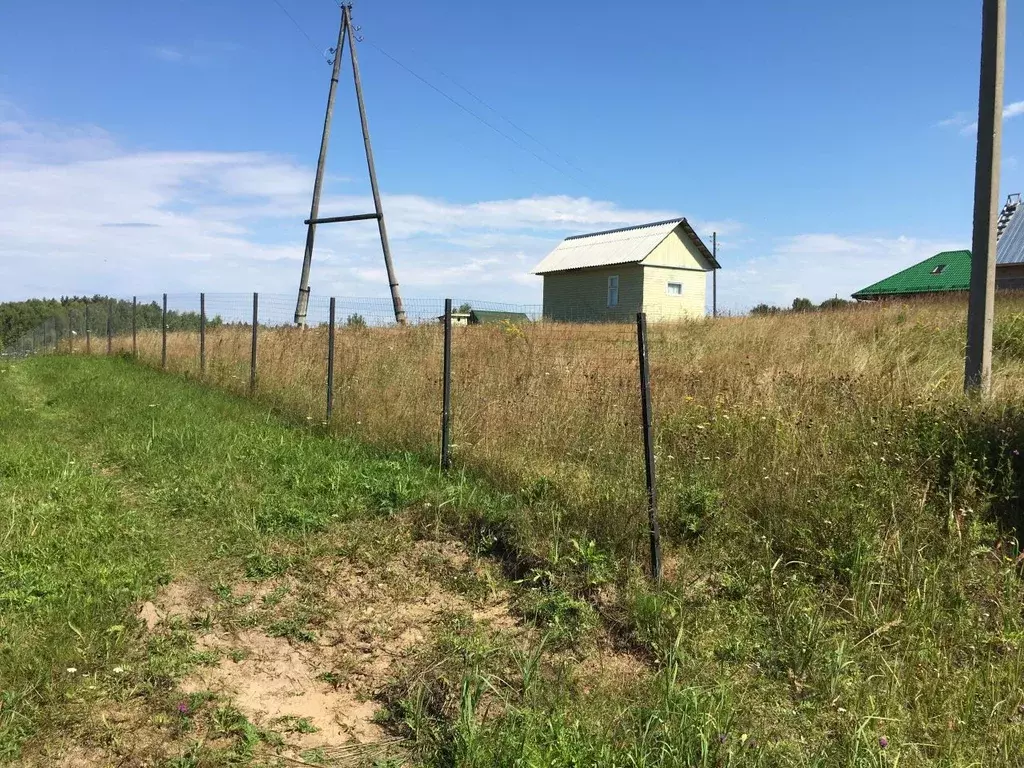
<point>546,408</point>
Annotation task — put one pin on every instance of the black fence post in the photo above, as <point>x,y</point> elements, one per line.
<point>163,332</point>
<point>446,396</point>
<point>135,326</point>
<point>255,334</point>
<point>648,418</point>
<point>110,327</point>
<point>202,335</point>
<point>330,363</point>
<point>88,333</point>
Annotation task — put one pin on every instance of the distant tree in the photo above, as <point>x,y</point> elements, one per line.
<point>803,305</point>
<point>834,303</point>
<point>355,320</point>
<point>765,309</point>
<point>67,314</point>
<point>464,308</point>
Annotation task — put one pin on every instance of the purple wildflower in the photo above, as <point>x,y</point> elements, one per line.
<point>183,708</point>
<point>883,742</point>
<point>722,738</point>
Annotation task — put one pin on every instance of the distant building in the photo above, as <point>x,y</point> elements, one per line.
<point>950,271</point>
<point>658,268</point>
<point>946,272</point>
<point>1010,253</point>
<point>490,317</point>
<point>458,318</point>
<point>486,317</point>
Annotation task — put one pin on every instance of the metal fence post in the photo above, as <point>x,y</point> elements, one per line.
<point>255,334</point>
<point>135,326</point>
<point>330,364</point>
<point>163,342</point>
<point>645,403</point>
<point>110,327</point>
<point>202,334</point>
<point>446,396</point>
<point>88,334</point>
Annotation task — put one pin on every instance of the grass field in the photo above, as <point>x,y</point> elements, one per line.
<point>842,584</point>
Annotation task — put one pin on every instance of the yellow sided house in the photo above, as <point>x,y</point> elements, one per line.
<point>658,268</point>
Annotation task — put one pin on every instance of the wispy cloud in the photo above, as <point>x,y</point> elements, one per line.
<point>80,213</point>
<point>197,52</point>
<point>166,53</point>
<point>963,122</point>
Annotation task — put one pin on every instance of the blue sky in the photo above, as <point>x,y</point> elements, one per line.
<point>829,144</point>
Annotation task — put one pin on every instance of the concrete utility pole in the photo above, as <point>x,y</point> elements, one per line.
<point>981,306</point>
<point>714,275</point>
<point>396,298</point>
<point>302,303</point>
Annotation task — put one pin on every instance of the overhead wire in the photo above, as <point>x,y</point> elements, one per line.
<point>470,112</point>
<point>508,120</point>
<point>301,30</point>
<point>481,119</point>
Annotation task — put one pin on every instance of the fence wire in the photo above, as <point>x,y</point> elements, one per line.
<point>542,405</point>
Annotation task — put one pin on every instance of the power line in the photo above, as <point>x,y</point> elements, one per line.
<point>508,120</point>
<point>291,18</point>
<point>476,116</point>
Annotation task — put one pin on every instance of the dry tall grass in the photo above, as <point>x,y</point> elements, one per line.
<point>754,405</point>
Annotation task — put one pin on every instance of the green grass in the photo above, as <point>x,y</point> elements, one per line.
<point>842,588</point>
<point>115,480</point>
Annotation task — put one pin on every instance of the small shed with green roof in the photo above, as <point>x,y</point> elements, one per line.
<point>490,317</point>
<point>946,272</point>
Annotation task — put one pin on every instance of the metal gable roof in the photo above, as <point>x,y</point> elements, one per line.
<point>954,274</point>
<point>629,245</point>
<point>1010,249</point>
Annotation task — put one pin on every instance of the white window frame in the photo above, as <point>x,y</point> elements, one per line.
<point>613,290</point>
<point>668,288</point>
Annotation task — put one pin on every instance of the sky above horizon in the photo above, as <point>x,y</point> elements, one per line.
<point>149,147</point>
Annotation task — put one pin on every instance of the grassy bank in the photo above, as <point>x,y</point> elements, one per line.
<point>842,585</point>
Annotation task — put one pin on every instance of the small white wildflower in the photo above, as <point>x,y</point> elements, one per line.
<point>118,670</point>
<point>72,670</point>
<point>152,405</point>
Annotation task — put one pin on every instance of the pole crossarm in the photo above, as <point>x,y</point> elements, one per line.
<point>337,219</point>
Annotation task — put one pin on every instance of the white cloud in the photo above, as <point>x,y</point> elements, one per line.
<point>80,214</point>
<point>967,126</point>
<point>820,266</point>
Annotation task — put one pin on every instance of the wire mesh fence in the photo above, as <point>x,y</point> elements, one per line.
<point>546,407</point>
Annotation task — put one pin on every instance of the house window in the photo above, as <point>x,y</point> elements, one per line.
<point>613,290</point>
<point>938,270</point>
<point>674,289</point>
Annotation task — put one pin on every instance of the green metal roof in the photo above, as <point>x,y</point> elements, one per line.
<point>493,316</point>
<point>954,275</point>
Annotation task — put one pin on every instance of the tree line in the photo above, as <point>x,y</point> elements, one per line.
<point>62,316</point>
<point>802,305</point>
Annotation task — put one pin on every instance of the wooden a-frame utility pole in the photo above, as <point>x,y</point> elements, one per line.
<point>302,304</point>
